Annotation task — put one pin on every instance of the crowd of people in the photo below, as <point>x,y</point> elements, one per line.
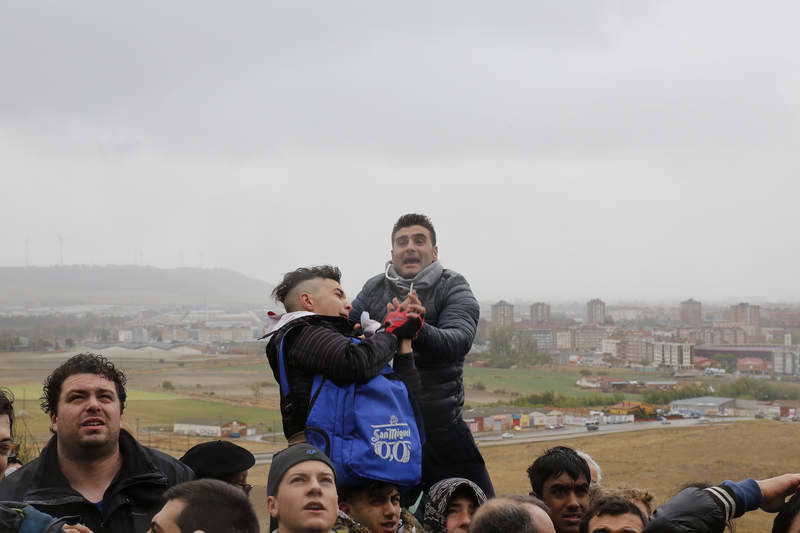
<point>416,320</point>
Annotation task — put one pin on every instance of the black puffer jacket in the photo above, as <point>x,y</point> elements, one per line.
<point>135,493</point>
<point>451,318</point>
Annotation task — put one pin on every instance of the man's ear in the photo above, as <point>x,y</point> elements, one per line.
<point>306,301</point>
<point>54,422</point>
<point>436,253</point>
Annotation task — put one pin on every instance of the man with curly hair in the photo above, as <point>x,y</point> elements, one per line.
<point>92,468</point>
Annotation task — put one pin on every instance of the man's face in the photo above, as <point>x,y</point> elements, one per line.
<point>459,514</point>
<point>329,299</point>
<point>379,512</point>
<point>166,519</point>
<point>412,250</point>
<point>5,442</point>
<point>306,499</point>
<point>567,499</point>
<point>623,523</point>
<point>88,413</point>
<point>239,480</point>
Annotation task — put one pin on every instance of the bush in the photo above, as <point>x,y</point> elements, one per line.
<point>167,385</point>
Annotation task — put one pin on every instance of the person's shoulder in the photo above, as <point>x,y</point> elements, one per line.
<point>172,468</point>
<point>15,484</point>
<point>374,283</point>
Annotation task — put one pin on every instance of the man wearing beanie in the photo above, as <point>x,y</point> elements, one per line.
<point>301,491</point>
<point>221,460</point>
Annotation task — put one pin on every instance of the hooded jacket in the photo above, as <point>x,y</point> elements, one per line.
<point>131,501</point>
<point>451,319</point>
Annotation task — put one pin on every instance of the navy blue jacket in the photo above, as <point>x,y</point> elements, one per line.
<point>451,318</point>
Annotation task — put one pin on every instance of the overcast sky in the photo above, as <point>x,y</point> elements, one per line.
<point>564,150</point>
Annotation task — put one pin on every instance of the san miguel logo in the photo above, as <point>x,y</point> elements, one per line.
<point>391,441</point>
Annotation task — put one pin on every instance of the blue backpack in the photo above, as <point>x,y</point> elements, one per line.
<point>369,430</point>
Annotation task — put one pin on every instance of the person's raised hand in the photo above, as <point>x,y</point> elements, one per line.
<point>775,490</point>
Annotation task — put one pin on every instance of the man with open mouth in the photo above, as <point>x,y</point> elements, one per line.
<point>451,319</point>
<point>92,469</point>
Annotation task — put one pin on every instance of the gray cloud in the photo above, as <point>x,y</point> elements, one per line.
<point>621,150</point>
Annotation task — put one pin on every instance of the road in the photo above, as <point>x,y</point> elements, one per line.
<point>569,432</point>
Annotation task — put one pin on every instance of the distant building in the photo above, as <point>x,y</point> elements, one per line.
<point>544,339</point>
<point>704,405</point>
<point>595,312</point>
<point>746,314</point>
<point>589,338</point>
<point>692,312</point>
<point>502,315</point>
<point>565,339</point>
<point>673,354</point>
<point>540,314</point>
<point>611,347</point>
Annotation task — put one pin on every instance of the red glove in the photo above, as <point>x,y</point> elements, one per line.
<point>402,325</point>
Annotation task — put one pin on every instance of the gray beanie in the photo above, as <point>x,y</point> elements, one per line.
<point>285,459</point>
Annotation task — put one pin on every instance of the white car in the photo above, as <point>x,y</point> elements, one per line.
<point>506,435</point>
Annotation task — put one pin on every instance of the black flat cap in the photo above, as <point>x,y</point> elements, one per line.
<point>218,459</point>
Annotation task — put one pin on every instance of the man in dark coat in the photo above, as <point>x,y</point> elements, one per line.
<point>92,469</point>
<point>451,318</point>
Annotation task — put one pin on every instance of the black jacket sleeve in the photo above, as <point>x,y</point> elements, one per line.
<point>325,350</point>
<point>451,339</point>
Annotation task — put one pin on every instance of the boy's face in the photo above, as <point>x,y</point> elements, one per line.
<point>567,499</point>
<point>306,498</point>
<point>377,510</point>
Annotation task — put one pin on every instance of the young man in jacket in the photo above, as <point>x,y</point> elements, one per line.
<point>92,469</point>
<point>451,318</point>
<point>316,335</point>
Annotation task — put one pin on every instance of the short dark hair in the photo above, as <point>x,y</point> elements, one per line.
<point>373,488</point>
<point>213,506</point>
<point>294,278</point>
<point>414,219</point>
<point>502,516</point>
<point>610,505</point>
<point>555,462</point>
<point>7,407</point>
<point>83,363</point>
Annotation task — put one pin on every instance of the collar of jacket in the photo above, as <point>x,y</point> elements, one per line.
<point>52,487</point>
<point>339,323</point>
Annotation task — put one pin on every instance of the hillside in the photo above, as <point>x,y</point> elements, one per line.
<point>128,285</point>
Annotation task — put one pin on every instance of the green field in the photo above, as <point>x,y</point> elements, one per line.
<point>525,381</point>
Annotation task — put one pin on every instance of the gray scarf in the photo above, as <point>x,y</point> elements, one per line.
<point>426,278</point>
<point>439,495</point>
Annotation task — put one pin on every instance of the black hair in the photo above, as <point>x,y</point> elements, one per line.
<point>294,278</point>
<point>502,516</point>
<point>786,515</point>
<point>555,462</point>
<point>7,407</point>
<point>213,505</point>
<point>414,219</point>
<point>610,505</point>
<point>83,363</point>
<point>347,494</point>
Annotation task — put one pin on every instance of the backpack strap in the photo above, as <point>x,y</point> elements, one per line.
<point>282,367</point>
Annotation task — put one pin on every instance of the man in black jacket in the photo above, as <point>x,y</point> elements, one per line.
<point>316,336</point>
<point>92,469</point>
<point>451,318</point>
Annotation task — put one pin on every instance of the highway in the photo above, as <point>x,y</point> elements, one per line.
<point>568,432</point>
